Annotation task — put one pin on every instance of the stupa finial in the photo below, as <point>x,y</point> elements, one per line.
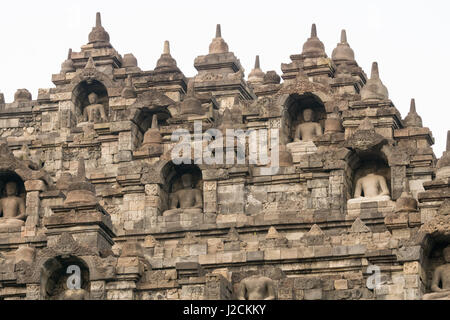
<point>218,31</point>
<point>343,36</point>
<point>166,47</point>
<point>81,172</point>
<point>375,74</point>
<point>155,122</point>
<point>98,20</point>
<point>313,31</point>
<point>257,62</point>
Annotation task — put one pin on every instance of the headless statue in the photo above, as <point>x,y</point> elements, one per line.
<point>12,208</point>
<point>371,187</point>
<point>256,288</point>
<point>308,130</point>
<point>91,112</point>
<point>186,200</point>
<point>73,294</point>
<point>441,276</point>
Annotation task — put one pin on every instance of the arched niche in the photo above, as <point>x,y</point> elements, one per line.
<point>294,107</point>
<point>364,163</point>
<point>143,120</point>
<point>17,201</point>
<point>55,273</point>
<point>80,98</point>
<point>172,175</point>
<point>432,256</point>
<point>11,176</point>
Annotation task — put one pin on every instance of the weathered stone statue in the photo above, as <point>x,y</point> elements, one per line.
<point>371,187</point>
<point>73,294</point>
<point>256,288</point>
<point>186,200</point>
<point>12,208</point>
<point>91,112</point>
<point>308,130</point>
<point>441,276</point>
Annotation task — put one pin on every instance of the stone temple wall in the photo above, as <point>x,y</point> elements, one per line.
<point>99,188</point>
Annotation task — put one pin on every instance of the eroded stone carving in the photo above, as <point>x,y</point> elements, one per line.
<point>308,130</point>
<point>441,276</point>
<point>12,208</point>
<point>371,187</point>
<point>94,112</point>
<point>187,200</point>
<point>256,288</point>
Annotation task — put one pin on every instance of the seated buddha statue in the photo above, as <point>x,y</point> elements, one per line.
<point>308,130</point>
<point>12,208</point>
<point>256,288</point>
<point>186,200</point>
<point>371,187</point>
<point>92,111</point>
<point>441,276</point>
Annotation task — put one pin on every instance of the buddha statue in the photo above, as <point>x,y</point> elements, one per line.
<point>441,276</point>
<point>256,288</point>
<point>73,294</point>
<point>91,112</point>
<point>12,208</point>
<point>371,187</point>
<point>186,200</point>
<point>307,130</point>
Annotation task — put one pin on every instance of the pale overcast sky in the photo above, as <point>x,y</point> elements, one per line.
<point>409,40</point>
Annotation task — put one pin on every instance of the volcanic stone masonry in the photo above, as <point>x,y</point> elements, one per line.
<point>358,209</point>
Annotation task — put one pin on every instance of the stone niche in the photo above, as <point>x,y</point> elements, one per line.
<point>14,203</point>
<point>58,279</point>
<point>176,179</point>
<point>144,119</point>
<point>434,258</point>
<point>296,105</point>
<point>369,165</point>
<point>85,106</point>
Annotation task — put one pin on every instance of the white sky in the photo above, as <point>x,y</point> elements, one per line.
<point>409,39</point>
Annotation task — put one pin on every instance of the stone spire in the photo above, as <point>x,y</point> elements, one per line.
<point>153,143</point>
<point>343,51</point>
<point>191,105</point>
<point>22,95</point>
<point>81,170</point>
<point>152,137</point>
<point>374,88</point>
<point>271,77</point>
<point>166,61</point>
<point>406,202</point>
<point>81,191</point>
<point>227,119</point>
<point>313,46</point>
<point>128,91</point>
<point>413,120</point>
<point>129,61</point>
<point>218,45</point>
<point>256,76</point>
<point>443,165</point>
<point>98,36</point>
<point>67,65</point>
